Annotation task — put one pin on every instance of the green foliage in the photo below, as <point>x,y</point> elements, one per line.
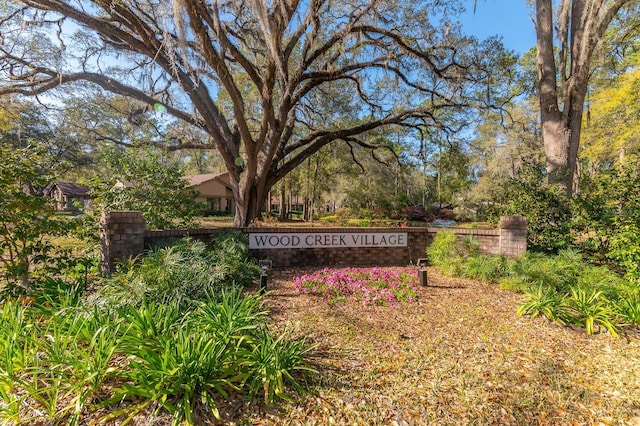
<point>545,301</point>
<point>143,179</point>
<point>230,253</point>
<point>547,208</point>
<point>562,287</point>
<point>185,272</point>
<point>67,360</point>
<point>628,309</point>
<point>445,254</point>
<point>273,362</point>
<point>567,290</point>
<point>27,222</point>
<point>58,362</point>
<point>483,267</point>
<point>588,308</point>
<point>176,371</point>
<point>455,257</point>
<point>607,214</point>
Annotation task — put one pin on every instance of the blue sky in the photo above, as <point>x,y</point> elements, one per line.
<point>509,18</point>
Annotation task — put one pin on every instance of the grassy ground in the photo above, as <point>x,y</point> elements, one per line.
<point>460,356</point>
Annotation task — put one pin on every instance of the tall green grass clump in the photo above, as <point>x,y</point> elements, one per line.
<point>483,267</point>
<point>185,272</point>
<point>187,362</point>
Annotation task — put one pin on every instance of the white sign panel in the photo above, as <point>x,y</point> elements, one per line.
<point>327,240</point>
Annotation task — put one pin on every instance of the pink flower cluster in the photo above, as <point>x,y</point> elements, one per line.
<point>377,286</point>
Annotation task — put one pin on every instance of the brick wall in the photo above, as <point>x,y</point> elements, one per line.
<point>123,238</point>
<point>417,241</point>
<point>513,235</point>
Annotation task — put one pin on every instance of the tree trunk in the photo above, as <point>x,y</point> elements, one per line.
<point>580,26</point>
<point>283,205</point>
<point>561,142</point>
<point>250,197</point>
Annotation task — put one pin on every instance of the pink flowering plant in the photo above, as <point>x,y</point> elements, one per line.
<point>375,286</point>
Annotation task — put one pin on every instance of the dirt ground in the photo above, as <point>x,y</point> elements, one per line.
<point>459,356</point>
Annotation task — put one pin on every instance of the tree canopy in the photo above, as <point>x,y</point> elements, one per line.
<point>612,128</point>
<point>265,83</point>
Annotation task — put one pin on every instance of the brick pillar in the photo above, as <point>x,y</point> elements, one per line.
<point>513,236</point>
<point>121,237</point>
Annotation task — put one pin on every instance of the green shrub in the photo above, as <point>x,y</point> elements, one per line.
<point>28,223</point>
<point>587,307</point>
<point>545,301</point>
<point>185,272</point>
<point>549,271</point>
<point>483,267</point>
<point>516,284</point>
<point>445,254</point>
<point>273,362</point>
<point>233,266</point>
<point>547,208</point>
<point>606,214</point>
<point>628,310</point>
<point>156,188</point>
<point>180,371</point>
<point>184,364</point>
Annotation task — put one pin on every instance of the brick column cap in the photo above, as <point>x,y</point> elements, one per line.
<point>513,222</point>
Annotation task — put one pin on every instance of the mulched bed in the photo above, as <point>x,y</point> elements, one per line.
<point>459,356</point>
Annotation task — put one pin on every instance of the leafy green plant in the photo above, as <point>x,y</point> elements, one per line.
<point>27,221</point>
<point>59,360</point>
<point>185,272</point>
<point>547,208</point>
<point>483,267</point>
<point>233,265</point>
<point>545,301</point>
<point>232,320</point>
<point>445,254</point>
<point>471,245</point>
<point>272,363</point>
<point>149,322</point>
<point>591,310</point>
<point>17,352</point>
<point>145,180</point>
<point>549,271</point>
<point>184,364</point>
<point>607,216</point>
<point>177,372</point>
<point>628,310</point>
<point>58,293</point>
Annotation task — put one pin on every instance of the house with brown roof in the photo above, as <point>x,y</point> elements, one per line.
<point>214,190</point>
<point>69,196</point>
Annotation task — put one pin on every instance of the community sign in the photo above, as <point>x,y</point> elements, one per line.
<point>326,240</point>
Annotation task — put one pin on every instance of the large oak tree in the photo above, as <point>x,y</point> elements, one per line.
<point>267,82</point>
<point>569,32</point>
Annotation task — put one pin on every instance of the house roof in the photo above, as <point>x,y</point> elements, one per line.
<point>72,188</point>
<point>195,180</point>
